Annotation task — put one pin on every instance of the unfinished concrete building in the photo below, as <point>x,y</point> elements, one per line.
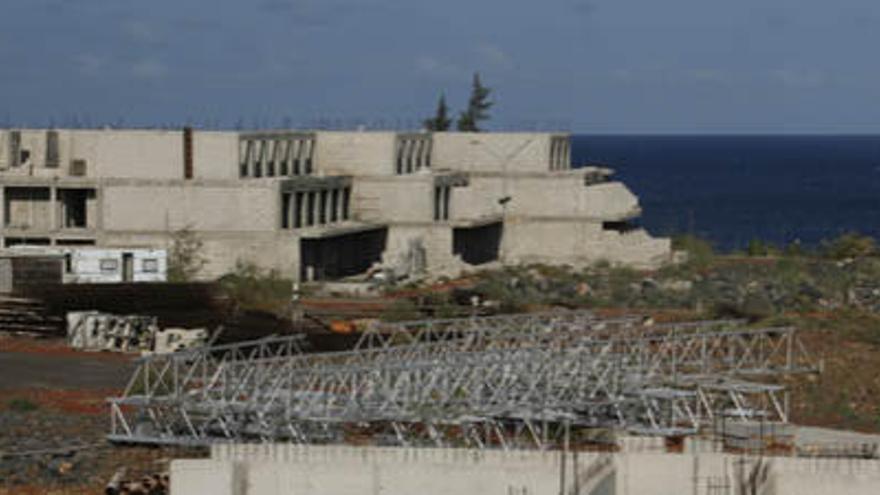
<point>321,205</point>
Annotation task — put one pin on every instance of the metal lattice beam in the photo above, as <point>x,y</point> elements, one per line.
<point>491,381</point>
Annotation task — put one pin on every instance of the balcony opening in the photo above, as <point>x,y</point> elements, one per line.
<point>332,258</point>
<point>478,245</point>
<point>74,207</point>
<point>620,227</point>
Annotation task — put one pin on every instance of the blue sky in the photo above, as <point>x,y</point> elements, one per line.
<point>597,66</point>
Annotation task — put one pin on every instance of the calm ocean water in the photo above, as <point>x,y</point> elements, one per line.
<point>731,189</point>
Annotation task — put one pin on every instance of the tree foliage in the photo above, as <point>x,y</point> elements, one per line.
<point>440,121</point>
<point>478,107</point>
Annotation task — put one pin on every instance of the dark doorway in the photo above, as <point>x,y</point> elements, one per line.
<point>478,245</point>
<point>127,267</point>
<point>341,256</point>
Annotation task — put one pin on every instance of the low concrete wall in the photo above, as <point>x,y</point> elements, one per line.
<point>290,469</point>
<point>343,470</point>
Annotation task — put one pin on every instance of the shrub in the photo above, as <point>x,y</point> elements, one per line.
<point>850,245</point>
<point>700,252</point>
<point>401,310</point>
<point>22,405</point>
<point>254,288</point>
<point>185,258</point>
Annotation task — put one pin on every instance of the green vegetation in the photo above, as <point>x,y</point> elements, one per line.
<point>468,120</point>
<point>186,257</point>
<point>440,121</point>
<point>699,251</point>
<point>849,245</point>
<point>251,287</point>
<point>22,405</point>
<point>477,109</point>
<point>768,282</point>
<point>402,310</point>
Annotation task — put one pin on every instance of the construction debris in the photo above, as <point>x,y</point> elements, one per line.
<point>96,331</point>
<point>153,484</point>
<point>177,339</point>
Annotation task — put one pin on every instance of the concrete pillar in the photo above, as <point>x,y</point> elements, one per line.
<point>294,158</point>
<point>243,158</point>
<point>288,158</point>
<point>99,207</point>
<point>291,211</point>
<point>303,208</point>
<point>54,208</point>
<point>417,154</point>
<point>2,207</point>
<point>337,204</point>
<point>310,209</point>
<point>408,157</point>
<point>307,156</point>
<point>566,162</point>
<point>428,151</point>
<point>326,204</point>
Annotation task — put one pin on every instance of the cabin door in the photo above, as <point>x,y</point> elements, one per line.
<point>127,267</point>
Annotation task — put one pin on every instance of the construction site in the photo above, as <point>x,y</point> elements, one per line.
<point>394,313</point>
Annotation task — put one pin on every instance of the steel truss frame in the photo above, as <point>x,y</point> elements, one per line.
<point>504,381</point>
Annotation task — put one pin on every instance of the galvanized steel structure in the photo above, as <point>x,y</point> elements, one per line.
<point>508,381</point>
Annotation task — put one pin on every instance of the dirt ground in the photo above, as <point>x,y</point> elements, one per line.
<point>62,371</point>
<point>53,418</point>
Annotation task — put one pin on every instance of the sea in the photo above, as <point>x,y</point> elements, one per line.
<point>732,189</point>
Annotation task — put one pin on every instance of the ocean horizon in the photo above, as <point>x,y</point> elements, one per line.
<point>730,189</point>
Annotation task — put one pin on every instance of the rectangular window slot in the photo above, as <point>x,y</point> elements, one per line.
<point>78,168</point>
<point>150,265</point>
<point>109,265</point>
<point>53,158</point>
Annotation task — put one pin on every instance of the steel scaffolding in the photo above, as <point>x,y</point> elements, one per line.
<point>501,381</point>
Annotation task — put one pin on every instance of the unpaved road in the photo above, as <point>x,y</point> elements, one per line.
<point>20,370</point>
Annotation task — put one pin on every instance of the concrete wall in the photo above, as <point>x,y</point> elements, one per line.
<point>492,152</point>
<point>250,206</point>
<point>342,470</point>
<point>436,240</point>
<point>560,195</point>
<point>402,199</point>
<point>290,469</point>
<point>215,155</point>
<point>28,208</point>
<point>123,154</point>
<point>579,242</point>
<point>129,154</point>
<point>355,153</point>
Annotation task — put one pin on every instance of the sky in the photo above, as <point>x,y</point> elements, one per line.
<point>590,66</point>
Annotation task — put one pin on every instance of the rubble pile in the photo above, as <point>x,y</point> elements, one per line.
<point>96,331</point>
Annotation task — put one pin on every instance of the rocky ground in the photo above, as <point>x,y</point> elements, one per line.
<point>53,418</point>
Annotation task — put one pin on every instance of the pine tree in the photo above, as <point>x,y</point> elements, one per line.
<point>440,121</point>
<point>478,106</point>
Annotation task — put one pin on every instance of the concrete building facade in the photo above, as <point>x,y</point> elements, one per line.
<point>321,205</point>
